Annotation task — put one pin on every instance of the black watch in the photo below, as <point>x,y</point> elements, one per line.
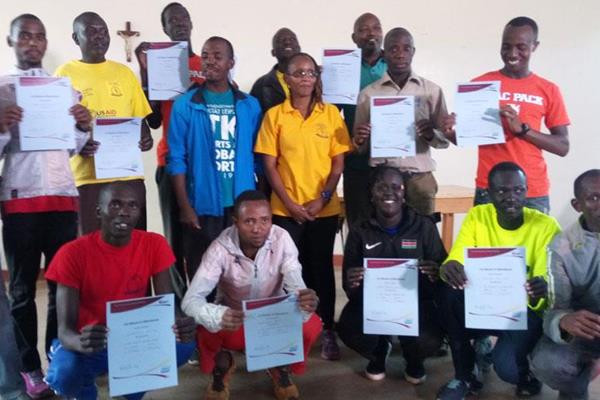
<point>524,129</point>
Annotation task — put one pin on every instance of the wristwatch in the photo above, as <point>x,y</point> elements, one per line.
<point>524,129</point>
<point>326,195</point>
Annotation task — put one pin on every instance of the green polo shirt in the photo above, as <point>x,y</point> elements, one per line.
<point>368,74</point>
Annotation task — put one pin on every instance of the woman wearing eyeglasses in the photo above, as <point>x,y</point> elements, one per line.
<point>303,142</point>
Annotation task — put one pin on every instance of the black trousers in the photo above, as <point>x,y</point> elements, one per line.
<point>315,241</point>
<point>510,354</point>
<point>357,201</point>
<point>172,228</point>
<point>196,241</point>
<point>26,237</point>
<point>414,349</point>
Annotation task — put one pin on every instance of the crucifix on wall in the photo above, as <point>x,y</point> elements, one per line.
<point>128,36</point>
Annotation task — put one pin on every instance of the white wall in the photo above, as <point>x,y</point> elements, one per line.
<point>455,41</point>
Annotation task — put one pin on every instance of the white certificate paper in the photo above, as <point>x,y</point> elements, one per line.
<point>168,70</point>
<point>478,114</point>
<point>393,126</point>
<point>46,123</point>
<point>391,297</point>
<point>141,344</point>
<point>119,154</point>
<point>495,296</point>
<point>273,332</point>
<point>341,75</point>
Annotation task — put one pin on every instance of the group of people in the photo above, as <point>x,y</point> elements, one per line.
<point>247,191</point>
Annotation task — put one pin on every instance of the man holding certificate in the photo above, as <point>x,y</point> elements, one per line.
<point>505,223</point>
<point>395,231</point>
<point>37,190</point>
<point>567,358</point>
<point>253,259</point>
<point>177,24</point>
<point>400,81</point>
<point>526,100</point>
<point>108,90</point>
<point>368,37</point>
<point>115,263</point>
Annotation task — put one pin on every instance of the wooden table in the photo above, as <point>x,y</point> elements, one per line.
<point>450,200</point>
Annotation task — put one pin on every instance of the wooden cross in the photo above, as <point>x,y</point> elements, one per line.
<point>128,36</point>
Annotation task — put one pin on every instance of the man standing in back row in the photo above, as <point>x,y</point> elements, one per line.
<point>525,100</point>
<point>430,113</point>
<point>368,37</point>
<point>108,90</point>
<point>177,24</point>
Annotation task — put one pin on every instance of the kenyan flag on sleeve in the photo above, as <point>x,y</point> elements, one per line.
<point>409,244</point>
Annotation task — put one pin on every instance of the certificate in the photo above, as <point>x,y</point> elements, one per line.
<point>393,126</point>
<point>478,114</point>
<point>46,123</point>
<point>341,75</point>
<point>141,344</point>
<point>495,296</point>
<point>273,332</point>
<point>168,70</point>
<point>391,297</point>
<point>119,154</point>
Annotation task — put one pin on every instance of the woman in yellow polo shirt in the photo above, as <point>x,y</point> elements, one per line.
<point>303,142</point>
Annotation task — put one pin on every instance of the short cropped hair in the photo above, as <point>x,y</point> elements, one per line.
<point>163,14</point>
<point>14,22</point>
<point>505,166</point>
<point>248,195</point>
<point>578,185</point>
<point>524,21</point>
<point>379,171</point>
<point>222,39</point>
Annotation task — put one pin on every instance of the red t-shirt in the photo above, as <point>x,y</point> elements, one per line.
<point>102,272</point>
<point>162,149</point>
<point>41,204</point>
<point>535,99</point>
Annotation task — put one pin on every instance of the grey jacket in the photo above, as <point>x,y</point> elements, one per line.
<point>574,277</point>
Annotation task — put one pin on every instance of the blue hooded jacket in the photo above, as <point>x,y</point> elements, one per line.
<point>192,148</point>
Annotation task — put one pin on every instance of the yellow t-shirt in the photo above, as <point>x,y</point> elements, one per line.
<point>481,229</point>
<point>304,149</point>
<point>108,89</point>
<point>283,84</point>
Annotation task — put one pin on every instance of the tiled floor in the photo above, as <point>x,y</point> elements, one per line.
<point>329,380</point>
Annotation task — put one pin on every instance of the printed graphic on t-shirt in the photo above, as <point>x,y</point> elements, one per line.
<point>515,99</point>
<point>221,110</point>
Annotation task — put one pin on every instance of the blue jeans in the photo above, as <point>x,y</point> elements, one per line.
<point>73,374</point>
<point>541,204</point>
<point>512,348</point>
<point>11,383</point>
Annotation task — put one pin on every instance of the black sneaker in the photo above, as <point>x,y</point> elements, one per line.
<point>528,386</point>
<point>415,373</point>
<point>375,370</point>
<point>457,389</point>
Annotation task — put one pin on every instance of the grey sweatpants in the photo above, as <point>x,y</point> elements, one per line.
<point>565,367</point>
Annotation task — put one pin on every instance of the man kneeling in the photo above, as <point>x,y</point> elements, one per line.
<point>114,263</point>
<point>250,260</point>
